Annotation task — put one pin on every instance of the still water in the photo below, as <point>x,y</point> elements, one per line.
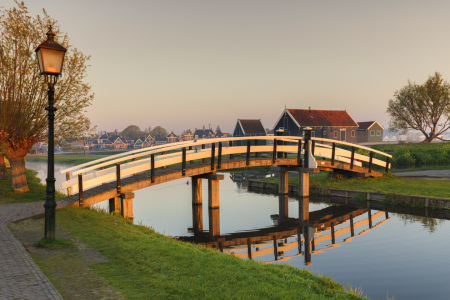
<point>405,255</point>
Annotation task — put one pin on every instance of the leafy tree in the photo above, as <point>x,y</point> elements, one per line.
<point>159,132</point>
<point>132,132</point>
<point>425,108</point>
<point>23,92</point>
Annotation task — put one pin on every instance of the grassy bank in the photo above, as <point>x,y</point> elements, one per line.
<point>144,264</point>
<point>389,184</point>
<point>36,193</point>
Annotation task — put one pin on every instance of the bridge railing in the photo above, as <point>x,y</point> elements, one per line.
<point>115,167</point>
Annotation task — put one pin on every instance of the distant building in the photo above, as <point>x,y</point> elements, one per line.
<point>369,132</point>
<point>330,124</point>
<point>172,138</point>
<point>204,133</point>
<point>248,127</point>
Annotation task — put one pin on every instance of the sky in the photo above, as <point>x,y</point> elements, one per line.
<point>183,64</point>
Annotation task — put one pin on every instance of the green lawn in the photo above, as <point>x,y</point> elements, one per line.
<point>389,184</point>
<point>147,265</point>
<point>37,190</point>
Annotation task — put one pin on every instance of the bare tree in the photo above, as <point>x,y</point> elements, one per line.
<point>425,108</point>
<point>23,92</point>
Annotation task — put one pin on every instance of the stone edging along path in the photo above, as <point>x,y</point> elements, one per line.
<point>431,202</point>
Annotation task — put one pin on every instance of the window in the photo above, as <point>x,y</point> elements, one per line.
<point>313,133</point>
<point>324,133</point>
<point>372,132</point>
<point>378,132</point>
<point>335,133</point>
<point>353,133</point>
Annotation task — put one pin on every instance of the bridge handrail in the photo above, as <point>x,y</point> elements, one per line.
<point>352,145</point>
<point>167,147</point>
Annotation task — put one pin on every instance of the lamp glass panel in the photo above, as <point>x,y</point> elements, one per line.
<point>52,61</point>
<point>39,58</point>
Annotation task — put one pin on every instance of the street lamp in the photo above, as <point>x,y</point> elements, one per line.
<point>50,56</point>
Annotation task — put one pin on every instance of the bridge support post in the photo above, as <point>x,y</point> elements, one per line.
<point>303,209</point>
<point>213,193</point>
<point>196,190</point>
<point>214,221</point>
<point>283,183</point>
<point>303,184</point>
<point>197,217</point>
<point>126,205</point>
<point>283,207</point>
<point>114,205</point>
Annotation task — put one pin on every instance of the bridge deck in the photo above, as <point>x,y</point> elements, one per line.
<point>142,180</point>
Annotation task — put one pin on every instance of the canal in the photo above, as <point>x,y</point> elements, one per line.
<point>383,251</point>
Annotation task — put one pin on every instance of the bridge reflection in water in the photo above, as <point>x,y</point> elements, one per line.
<point>311,233</point>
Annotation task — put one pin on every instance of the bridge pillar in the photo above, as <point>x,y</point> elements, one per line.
<point>114,205</point>
<point>126,205</point>
<point>213,193</point>
<point>303,209</point>
<point>308,233</point>
<point>214,221</point>
<point>197,217</point>
<point>196,190</point>
<point>283,207</point>
<point>303,184</point>
<point>283,183</point>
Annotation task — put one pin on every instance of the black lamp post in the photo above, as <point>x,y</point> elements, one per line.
<point>50,56</point>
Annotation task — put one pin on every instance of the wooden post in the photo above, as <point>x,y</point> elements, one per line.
<point>299,153</point>
<point>204,147</point>
<point>333,154</point>
<point>152,166</point>
<point>69,192</point>
<point>114,205</point>
<point>275,248</point>
<point>274,155</point>
<point>80,190</point>
<point>352,227</point>
<point>303,209</point>
<point>283,182</point>
<point>370,218</point>
<point>213,193</point>
<point>333,240</point>
<point>118,178</point>
<point>247,162</point>
<point>213,154</point>
<point>219,157</point>
<point>352,162</point>
<point>283,206</point>
<point>370,162</point>
<point>197,217</point>
<point>126,205</point>
<point>279,132</point>
<point>256,153</point>
<point>303,184</point>
<point>249,249</point>
<point>214,221</point>
<point>183,161</point>
<point>313,147</point>
<point>191,161</point>
<point>307,146</point>
<point>387,164</point>
<point>196,190</point>
<point>308,234</point>
<point>230,144</point>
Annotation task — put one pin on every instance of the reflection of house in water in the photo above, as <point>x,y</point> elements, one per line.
<point>311,233</point>
<point>241,179</point>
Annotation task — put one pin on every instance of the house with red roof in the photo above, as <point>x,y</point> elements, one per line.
<point>370,132</point>
<point>330,124</point>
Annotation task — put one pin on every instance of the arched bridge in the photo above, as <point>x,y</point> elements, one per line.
<point>114,176</point>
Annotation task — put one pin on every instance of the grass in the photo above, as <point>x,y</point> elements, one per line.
<point>70,159</point>
<point>55,243</point>
<point>389,184</point>
<point>144,264</point>
<point>36,193</point>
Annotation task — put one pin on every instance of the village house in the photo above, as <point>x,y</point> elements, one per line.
<point>187,136</point>
<point>330,124</point>
<point>370,132</point>
<point>248,127</point>
<point>172,138</point>
<point>204,133</point>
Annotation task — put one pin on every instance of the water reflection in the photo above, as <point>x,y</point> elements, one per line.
<point>310,233</point>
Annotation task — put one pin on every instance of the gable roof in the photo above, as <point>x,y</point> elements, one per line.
<point>310,117</point>
<point>367,125</point>
<point>252,126</point>
<point>203,132</point>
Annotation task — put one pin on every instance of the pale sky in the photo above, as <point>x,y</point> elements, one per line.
<point>184,64</point>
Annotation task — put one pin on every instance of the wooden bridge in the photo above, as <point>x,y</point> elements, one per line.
<point>316,231</point>
<point>116,177</point>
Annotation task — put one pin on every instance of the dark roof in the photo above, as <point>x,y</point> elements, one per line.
<point>203,132</point>
<point>309,117</point>
<point>219,134</point>
<point>365,125</point>
<point>252,126</point>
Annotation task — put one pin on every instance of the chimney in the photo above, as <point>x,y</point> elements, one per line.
<point>203,127</point>
<point>209,126</point>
